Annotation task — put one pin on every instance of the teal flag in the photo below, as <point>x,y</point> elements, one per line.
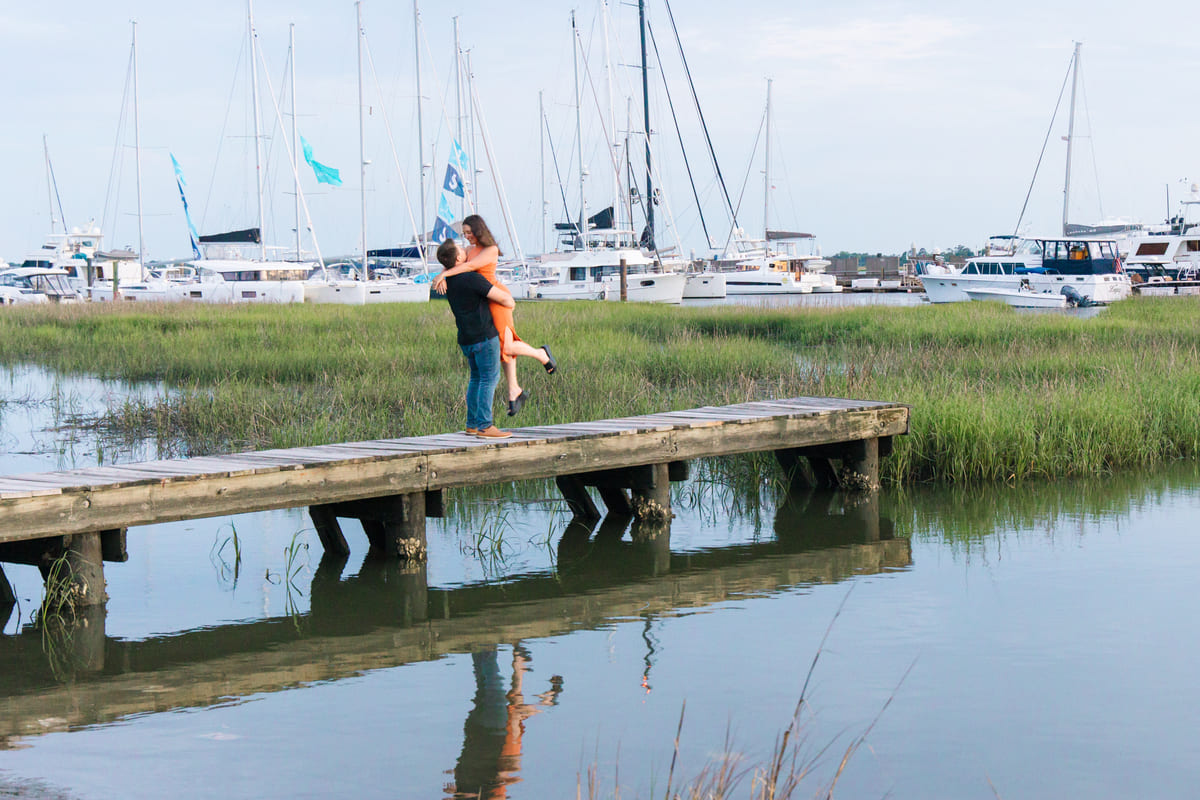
<point>324,174</point>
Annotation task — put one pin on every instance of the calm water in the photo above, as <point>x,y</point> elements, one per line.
<point>1042,638</point>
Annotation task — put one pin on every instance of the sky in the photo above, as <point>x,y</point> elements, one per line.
<point>891,124</point>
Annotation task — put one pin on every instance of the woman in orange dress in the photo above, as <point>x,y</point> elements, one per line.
<point>482,256</point>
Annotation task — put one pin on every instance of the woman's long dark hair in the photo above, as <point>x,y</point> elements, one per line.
<point>482,234</point>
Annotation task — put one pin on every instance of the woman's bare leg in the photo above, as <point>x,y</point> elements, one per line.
<point>515,347</point>
<point>510,367</point>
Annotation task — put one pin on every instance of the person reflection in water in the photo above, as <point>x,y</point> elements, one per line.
<point>491,752</point>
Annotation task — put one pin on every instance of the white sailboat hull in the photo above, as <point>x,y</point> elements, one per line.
<point>648,287</point>
<point>704,286</point>
<point>360,293</point>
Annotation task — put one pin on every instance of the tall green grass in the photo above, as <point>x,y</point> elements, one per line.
<point>996,395</point>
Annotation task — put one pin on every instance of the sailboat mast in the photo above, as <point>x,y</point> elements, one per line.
<point>612,114</point>
<point>295,145</point>
<point>646,116</point>
<point>421,244</point>
<point>582,229</point>
<point>258,178</point>
<point>767,166</point>
<point>137,149</point>
<point>1070,135</point>
<point>362,147</point>
<point>458,105</point>
<point>49,183</point>
<point>542,162</point>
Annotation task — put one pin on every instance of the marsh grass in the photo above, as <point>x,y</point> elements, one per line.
<point>997,395</point>
<point>794,765</point>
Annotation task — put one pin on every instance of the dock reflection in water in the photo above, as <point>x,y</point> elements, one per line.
<point>386,616</point>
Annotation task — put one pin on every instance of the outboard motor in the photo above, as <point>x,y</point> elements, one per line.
<point>1074,298</point>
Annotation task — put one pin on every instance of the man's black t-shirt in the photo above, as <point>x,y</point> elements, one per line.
<point>467,294</point>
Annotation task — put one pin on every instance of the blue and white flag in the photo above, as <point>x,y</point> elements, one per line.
<point>195,237</point>
<point>458,156</point>
<point>454,182</point>
<point>452,186</point>
<point>442,231</point>
<point>324,174</point>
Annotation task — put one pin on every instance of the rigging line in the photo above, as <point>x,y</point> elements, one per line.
<point>557,171</point>
<point>117,150</point>
<point>1087,114</point>
<point>312,231</point>
<point>434,183</point>
<point>704,125</point>
<point>269,181</point>
<point>612,155</point>
<point>54,182</point>
<point>497,181</point>
<point>221,140</point>
<point>671,104</point>
<point>749,167</point>
<point>1045,142</point>
<point>616,163</point>
<point>787,178</point>
<point>387,126</point>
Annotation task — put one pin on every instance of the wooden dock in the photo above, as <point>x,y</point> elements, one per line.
<point>392,485</point>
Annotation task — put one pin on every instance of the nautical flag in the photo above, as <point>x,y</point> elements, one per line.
<point>324,174</point>
<point>452,186</point>
<point>458,157</point>
<point>442,231</point>
<point>453,183</point>
<point>195,237</point>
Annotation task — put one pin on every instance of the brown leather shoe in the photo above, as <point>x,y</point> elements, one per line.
<point>471,431</point>
<point>493,433</point>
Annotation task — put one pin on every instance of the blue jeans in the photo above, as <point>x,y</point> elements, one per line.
<point>484,361</point>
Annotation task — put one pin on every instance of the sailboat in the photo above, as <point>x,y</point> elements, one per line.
<point>597,249</point>
<point>776,263</point>
<point>234,267</point>
<point>364,288</point>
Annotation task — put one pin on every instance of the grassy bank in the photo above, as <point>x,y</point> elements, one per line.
<point>996,395</point>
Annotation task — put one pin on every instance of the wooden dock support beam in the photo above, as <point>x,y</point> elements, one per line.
<point>860,464</point>
<point>333,541</point>
<point>859,461</point>
<point>395,526</point>
<point>574,491</point>
<point>651,489</point>
<point>83,577</point>
<point>649,485</point>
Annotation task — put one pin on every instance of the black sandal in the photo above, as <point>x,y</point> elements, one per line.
<point>515,406</point>
<point>551,365</point>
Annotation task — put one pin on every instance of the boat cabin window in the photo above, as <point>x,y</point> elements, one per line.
<point>578,273</point>
<point>1151,249</point>
<point>1192,246</point>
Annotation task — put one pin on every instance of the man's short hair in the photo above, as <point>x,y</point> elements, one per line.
<point>447,253</point>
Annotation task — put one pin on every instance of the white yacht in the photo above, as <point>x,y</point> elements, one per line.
<point>594,272</point>
<point>78,252</point>
<point>50,282</point>
<point>1087,268</point>
<point>1167,252</point>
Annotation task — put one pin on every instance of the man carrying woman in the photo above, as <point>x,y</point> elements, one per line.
<point>468,294</point>
<point>481,258</point>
